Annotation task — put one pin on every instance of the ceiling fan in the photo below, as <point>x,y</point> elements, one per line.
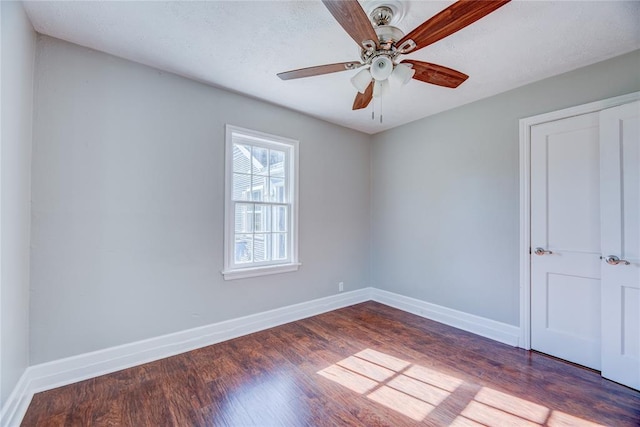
<point>381,44</point>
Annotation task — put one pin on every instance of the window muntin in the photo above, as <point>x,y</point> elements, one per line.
<point>260,199</point>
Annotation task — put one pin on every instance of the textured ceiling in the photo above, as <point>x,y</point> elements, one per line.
<point>241,45</point>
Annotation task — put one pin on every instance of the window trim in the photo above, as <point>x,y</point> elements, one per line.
<point>230,271</point>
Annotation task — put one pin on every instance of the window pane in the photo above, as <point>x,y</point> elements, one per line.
<point>279,246</point>
<point>241,187</point>
<point>244,218</point>
<point>277,190</point>
<point>276,161</point>
<point>260,161</point>
<point>243,248</point>
<point>260,189</point>
<point>241,158</point>
<point>262,214</point>
<point>280,218</point>
<point>261,247</point>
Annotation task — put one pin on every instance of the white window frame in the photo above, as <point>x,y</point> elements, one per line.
<point>232,271</point>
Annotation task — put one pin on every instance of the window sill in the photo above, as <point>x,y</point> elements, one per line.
<point>260,271</point>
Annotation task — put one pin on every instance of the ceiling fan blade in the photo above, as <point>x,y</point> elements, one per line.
<point>452,19</point>
<point>318,70</point>
<point>363,99</point>
<point>436,74</point>
<point>353,19</point>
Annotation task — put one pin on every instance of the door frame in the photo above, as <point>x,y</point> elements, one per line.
<point>525,197</point>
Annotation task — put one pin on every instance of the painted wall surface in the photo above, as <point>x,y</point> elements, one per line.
<point>18,52</point>
<point>128,167</point>
<point>445,193</point>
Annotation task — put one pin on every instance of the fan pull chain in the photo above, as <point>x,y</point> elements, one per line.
<point>373,109</point>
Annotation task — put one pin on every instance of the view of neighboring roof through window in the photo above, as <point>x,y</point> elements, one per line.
<point>260,204</point>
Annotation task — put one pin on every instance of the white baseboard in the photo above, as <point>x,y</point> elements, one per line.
<point>497,331</point>
<point>61,372</point>
<point>17,403</point>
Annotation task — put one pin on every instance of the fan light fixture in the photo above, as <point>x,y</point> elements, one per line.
<point>392,75</point>
<point>380,87</point>
<point>381,68</point>
<point>401,75</point>
<point>361,80</point>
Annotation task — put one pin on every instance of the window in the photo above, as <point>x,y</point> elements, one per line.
<point>261,216</point>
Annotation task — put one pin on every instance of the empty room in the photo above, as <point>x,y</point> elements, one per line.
<point>320,213</point>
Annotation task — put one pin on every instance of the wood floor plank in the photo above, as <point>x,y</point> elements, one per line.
<point>364,365</point>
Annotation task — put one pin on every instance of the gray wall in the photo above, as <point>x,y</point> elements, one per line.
<point>18,52</point>
<point>128,204</point>
<point>445,193</point>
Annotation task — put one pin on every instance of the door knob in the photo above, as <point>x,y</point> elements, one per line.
<point>614,260</point>
<point>540,251</point>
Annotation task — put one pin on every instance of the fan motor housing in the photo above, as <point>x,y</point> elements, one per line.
<point>383,14</point>
<point>387,35</point>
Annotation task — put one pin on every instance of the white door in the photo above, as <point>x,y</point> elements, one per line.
<point>620,196</point>
<point>565,223</point>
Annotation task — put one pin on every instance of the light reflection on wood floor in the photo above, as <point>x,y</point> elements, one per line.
<point>414,391</point>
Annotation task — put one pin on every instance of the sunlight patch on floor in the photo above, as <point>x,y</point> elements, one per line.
<point>407,405</point>
<point>349,379</point>
<point>433,377</point>
<point>561,419</point>
<point>366,368</point>
<point>488,415</point>
<point>412,390</point>
<point>415,391</point>
<point>461,421</point>
<point>423,391</point>
<point>383,359</point>
<point>513,405</point>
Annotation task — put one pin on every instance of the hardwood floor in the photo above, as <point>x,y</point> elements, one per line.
<point>364,365</point>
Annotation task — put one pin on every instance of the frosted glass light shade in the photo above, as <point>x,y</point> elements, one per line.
<point>381,68</point>
<point>361,80</point>
<point>401,74</point>
<point>380,87</point>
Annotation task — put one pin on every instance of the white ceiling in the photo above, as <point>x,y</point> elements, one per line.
<point>241,45</point>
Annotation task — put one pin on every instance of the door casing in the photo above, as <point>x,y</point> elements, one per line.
<point>525,197</point>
